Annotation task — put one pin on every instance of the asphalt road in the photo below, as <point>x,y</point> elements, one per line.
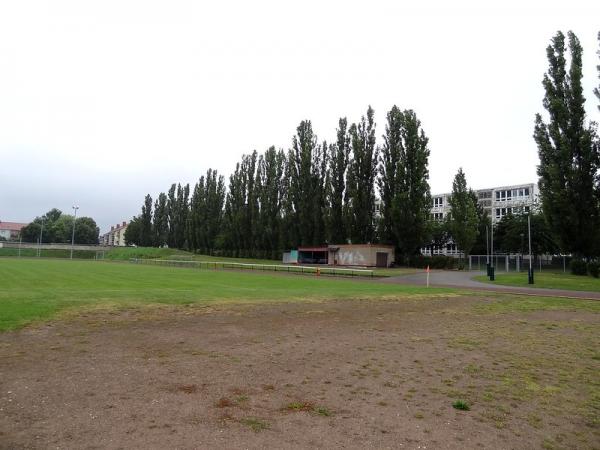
<point>463,279</point>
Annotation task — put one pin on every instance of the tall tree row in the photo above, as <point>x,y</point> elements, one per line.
<point>569,152</point>
<point>310,195</point>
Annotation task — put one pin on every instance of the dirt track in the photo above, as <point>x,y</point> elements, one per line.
<point>350,374</point>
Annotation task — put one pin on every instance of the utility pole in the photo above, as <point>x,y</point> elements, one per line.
<point>487,250</point>
<point>75,208</point>
<point>530,273</point>
<point>40,240</point>
<point>492,268</point>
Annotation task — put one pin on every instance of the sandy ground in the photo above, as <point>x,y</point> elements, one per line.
<point>336,374</point>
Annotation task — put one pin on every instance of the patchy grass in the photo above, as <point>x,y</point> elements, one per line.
<point>549,280</point>
<point>40,289</point>
<point>461,405</point>
<point>255,424</point>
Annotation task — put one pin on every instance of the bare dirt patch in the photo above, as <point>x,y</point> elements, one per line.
<point>353,374</point>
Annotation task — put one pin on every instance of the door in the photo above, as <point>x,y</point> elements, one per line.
<point>382,259</point>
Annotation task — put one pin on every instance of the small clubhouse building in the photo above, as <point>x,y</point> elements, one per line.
<point>361,255</point>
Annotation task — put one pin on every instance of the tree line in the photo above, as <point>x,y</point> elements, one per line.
<point>353,190</point>
<point>314,193</point>
<point>58,228</point>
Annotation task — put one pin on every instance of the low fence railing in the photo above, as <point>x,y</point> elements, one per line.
<point>224,265</point>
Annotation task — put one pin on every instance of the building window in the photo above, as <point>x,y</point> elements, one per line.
<point>438,202</point>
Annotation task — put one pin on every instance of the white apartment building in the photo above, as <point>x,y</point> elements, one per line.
<point>115,237</point>
<point>497,201</point>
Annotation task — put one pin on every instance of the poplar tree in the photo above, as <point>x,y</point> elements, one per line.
<point>339,156</point>
<point>463,214</point>
<point>361,177</point>
<point>161,221</point>
<point>146,223</point>
<point>269,183</point>
<point>597,90</point>
<point>411,206</point>
<point>568,152</point>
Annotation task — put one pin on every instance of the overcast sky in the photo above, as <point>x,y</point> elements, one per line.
<point>102,102</point>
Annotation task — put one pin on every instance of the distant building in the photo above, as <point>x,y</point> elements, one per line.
<point>115,237</point>
<point>496,201</point>
<point>10,231</point>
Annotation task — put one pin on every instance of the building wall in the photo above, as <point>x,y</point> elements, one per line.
<point>115,237</point>
<point>497,201</point>
<point>359,255</point>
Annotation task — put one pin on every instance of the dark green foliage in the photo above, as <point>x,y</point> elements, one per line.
<point>461,405</point>
<point>511,235</point>
<point>133,231</point>
<point>578,267</point>
<point>57,228</point>
<point>597,90</point>
<point>161,221</point>
<point>568,153</point>
<point>594,268</point>
<point>463,214</point>
<point>360,182</point>
<point>146,238</point>
<point>307,162</point>
<point>339,157</point>
<point>206,212</point>
<point>484,221</point>
<point>411,205</point>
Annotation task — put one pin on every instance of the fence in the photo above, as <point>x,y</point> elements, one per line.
<point>520,263</point>
<point>223,265</point>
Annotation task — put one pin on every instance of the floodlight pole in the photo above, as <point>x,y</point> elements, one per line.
<point>75,208</point>
<point>40,241</point>
<point>492,268</point>
<point>530,274</point>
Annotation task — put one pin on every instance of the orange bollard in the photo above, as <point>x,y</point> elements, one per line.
<point>318,271</point>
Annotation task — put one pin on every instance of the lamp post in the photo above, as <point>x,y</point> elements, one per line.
<point>530,273</point>
<point>40,241</point>
<point>75,208</point>
<point>492,268</point>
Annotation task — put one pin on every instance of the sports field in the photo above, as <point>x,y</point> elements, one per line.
<point>37,289</point>
<point>116,355</point>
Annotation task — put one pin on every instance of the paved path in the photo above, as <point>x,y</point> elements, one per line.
<point>463,279</point>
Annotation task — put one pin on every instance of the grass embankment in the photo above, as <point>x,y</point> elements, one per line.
<point>550,280</point>
<point>48,253</point>
<point>32,289</point>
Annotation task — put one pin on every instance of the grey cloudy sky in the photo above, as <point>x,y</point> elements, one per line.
<point>103,102</point>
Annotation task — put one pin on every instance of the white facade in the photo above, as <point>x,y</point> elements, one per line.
<point>497,201</point>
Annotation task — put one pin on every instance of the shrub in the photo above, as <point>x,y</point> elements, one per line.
<point>578,267</point>
<point>594,268</point>
<point>434,262</point>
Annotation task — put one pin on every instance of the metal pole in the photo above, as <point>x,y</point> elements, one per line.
<point>492,275</point>
<point>20,240</point>
<point>40,241</point>
<point>530,277</point>
<point>73,232</point>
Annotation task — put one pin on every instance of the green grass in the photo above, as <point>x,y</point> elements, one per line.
<point>48,253</point>
<point>34,289</point>
<point>551,280</point>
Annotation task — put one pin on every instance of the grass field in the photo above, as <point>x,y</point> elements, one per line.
<point>34,289</point>
<point>550,280</point>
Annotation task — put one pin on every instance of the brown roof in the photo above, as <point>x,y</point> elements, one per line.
<point>12,226</point>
